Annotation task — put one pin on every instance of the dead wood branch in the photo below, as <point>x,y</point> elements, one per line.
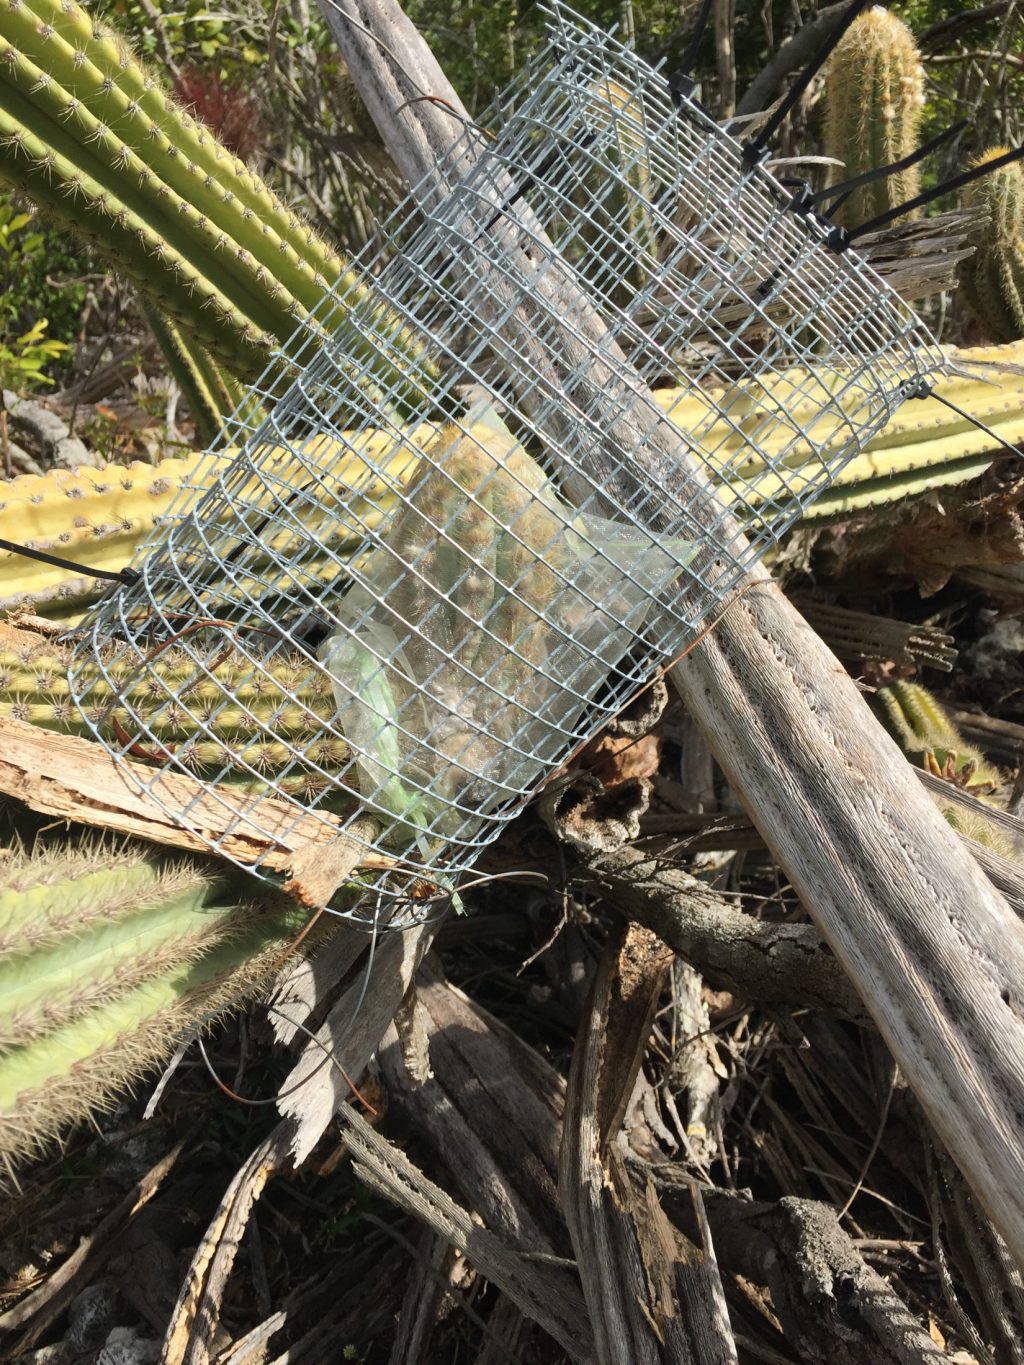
<point>781,965</point>
<point>489,1107</point>
<point>931,947</point>
<point>625,1246</point>
<point>543,1292</point>
<point>335,1057</point>
<point>192,1335</point>
<point>424,1292</point>
<point>835,1309</point>
<point>38,1310</point>
<point>75,779</point>
<point>800,48</point>
<point>862,635</point>
<point>590,818</point>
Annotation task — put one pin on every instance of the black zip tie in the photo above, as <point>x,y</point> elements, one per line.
<point>754,150</point>
<point>128,577</point>
<point>977,422</point>
<point>680,82</point>
<point>947,186</point>
<point>846,187</point>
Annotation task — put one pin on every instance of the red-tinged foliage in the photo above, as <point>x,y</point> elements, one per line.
<point>226,109</point>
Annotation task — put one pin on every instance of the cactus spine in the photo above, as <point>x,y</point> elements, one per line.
<point>874,90</point>
<point>993,278</point>
<point>100,519</point>
<point>89,134</point>
<point>133,952</point>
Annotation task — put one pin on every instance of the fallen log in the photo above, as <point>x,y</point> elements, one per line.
<point>929,944</point>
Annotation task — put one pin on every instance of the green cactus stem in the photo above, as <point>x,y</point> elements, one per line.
<point>108,956</point>
<point>219,731</point>
<point>874,90</point>
<point>92,137</point>
<point>212,393</point>
<point>993,278</point>
<point>924,732</point>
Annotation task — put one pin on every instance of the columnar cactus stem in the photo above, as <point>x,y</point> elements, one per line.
<point>874,90</point>
<point>99,518</point>
<point>993,278</point>
<point>211,392</point>
<point>80,117</point>
<point>121,955</point>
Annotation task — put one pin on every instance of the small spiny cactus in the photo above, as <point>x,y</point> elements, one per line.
<point>874,91</point>
<point>109,955</point>
<point>993,278</point>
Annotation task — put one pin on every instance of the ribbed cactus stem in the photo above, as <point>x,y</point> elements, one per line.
<point>81,204</point>
<point>187,141</point>
<point>211,393</point>
<point>119,100</point>
<point>915,717</point>
<point>48,989</point>
<point>874,91</point>
<point>75,1070</point>
<point>80,107</point>
<point>219,729</point>
<point>50,896</point>
<point>921,727</point>
<point>99,518</point>
<point>993,278</point>
<point>69,127</point>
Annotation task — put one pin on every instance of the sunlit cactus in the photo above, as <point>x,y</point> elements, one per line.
<point>874,92</point>
<point>109,955</point>
<point>992,279</point>
<point>94,138</point>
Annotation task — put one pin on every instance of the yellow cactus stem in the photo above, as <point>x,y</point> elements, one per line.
<point>100,518</point>
<point>992,279</point>
<point>874,93</point>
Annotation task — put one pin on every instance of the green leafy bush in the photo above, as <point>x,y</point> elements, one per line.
<point>40,307</point>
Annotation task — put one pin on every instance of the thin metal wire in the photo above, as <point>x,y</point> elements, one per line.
<point>620,367</point>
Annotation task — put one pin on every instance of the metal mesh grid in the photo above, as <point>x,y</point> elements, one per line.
<point>454,549</point>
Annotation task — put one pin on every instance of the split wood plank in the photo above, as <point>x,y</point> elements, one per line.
<point>76,779</point>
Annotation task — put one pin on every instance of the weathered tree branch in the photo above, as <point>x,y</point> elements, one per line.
<point>928,943</point>
<point>804,42</point>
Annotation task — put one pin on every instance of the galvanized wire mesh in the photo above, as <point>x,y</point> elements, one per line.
<point>436,568</point>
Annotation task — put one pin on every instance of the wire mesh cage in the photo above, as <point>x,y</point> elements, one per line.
<point>594,380</point>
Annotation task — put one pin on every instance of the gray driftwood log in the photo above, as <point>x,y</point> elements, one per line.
<point>926,939</point>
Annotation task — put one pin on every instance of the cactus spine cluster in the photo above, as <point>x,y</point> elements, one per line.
<point>925,733</point>
<point>874,91</point>
<point>993,278</point>
<point>93,138</point>
<point>108,956</point>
